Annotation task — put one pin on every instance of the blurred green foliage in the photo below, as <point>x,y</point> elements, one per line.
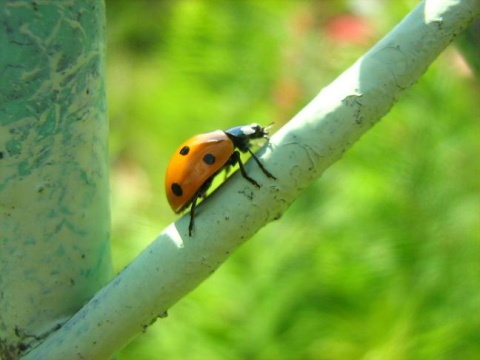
<point>379,259</point>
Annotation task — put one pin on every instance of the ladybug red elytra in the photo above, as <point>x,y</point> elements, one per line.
<point>199,159</point>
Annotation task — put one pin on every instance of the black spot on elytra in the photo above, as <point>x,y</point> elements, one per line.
<point>177,189</point>
<point>184,150</point>
<point>209,159</point>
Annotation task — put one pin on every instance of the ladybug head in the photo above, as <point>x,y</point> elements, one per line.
<point>255,131</point>
<point>241,135</point>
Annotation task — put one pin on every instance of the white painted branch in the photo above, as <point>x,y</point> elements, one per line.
<point>174,264</point>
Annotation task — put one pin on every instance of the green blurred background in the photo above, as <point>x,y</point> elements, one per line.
<point>378,259</point>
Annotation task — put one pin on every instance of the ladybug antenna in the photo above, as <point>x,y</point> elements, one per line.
<point>266,128</point>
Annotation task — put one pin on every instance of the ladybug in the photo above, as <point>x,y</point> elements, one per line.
<point>199,159</point>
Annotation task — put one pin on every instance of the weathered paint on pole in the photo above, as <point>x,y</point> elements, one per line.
<point>54,199</point>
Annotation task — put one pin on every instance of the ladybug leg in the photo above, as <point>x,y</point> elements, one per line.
<point>234,159</point>
<point>259,163</point>
<point>201,193</point>
<point>227,170</point>
<point>192,214</point>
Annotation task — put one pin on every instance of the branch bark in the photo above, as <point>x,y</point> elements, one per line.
<point>297,154</point>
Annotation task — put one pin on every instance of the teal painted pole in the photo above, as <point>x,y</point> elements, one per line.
<point>54,199</point>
